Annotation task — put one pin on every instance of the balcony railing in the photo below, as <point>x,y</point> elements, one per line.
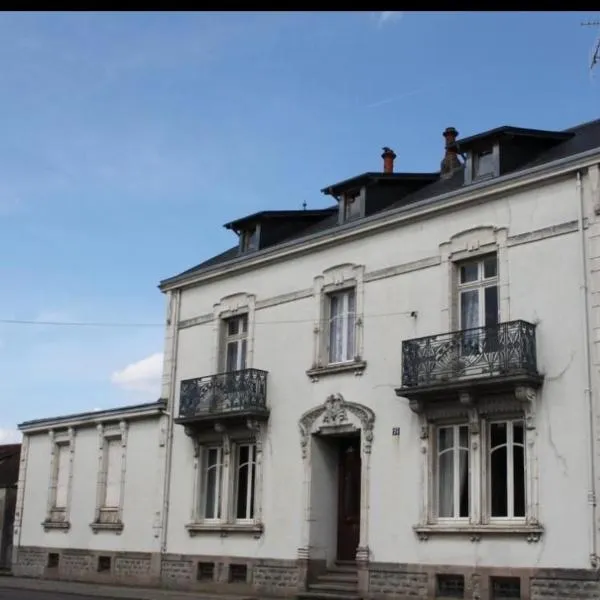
<point>505,349</point>
<point>225,394</point>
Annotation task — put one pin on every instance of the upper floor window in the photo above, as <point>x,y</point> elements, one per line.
<point>235,343</point>
<point>478,292</point>
<point>484,164</point>
<point>351,206</point>
<point>249,239</point>
<point>342,325</point>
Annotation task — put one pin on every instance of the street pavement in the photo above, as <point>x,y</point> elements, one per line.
<point>21,588</point>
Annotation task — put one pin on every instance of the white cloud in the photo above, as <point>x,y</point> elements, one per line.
<point>10,436</point>
<point>388,16</point>
<point>141,376</point>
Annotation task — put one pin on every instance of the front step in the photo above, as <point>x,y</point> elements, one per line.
<point>337,583</point>
<point>327,596</point>
<point>342,588</point>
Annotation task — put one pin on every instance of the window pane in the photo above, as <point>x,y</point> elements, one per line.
<point>446,484</point>
<point>469,272</point>
<point>232,357</point>
<point>445,438</point>
<point>490,267</point>
<point>484,163</point>
<point>519,481</point>
<point>242,362</point>
<point>498,470</point>
<point>350,325</point>
<point>491,306</point>
<point>245,482</point>
<point>244,323</point>
<point>464,482</point>
<point>469,309</point>
<point>232,326</point>
<point>212,486</point>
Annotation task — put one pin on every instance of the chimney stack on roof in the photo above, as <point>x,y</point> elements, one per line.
<point>450,162</point>
<point>388,160</point>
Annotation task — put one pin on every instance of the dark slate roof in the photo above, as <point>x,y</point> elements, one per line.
<point>9,464</point>
<point>578,139</point>
<point>372,176</point>
<point>466,143</point>
<point>93,415</point>
<point>278,214</point>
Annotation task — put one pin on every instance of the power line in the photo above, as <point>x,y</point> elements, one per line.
<point>77,323</point>
<point>208,323</point>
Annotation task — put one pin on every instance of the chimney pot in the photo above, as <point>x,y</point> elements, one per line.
<point>388,159</point>
<point>450,162</point>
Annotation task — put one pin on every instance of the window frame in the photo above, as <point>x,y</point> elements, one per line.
<point>479,517</point>
<point>348,354</point>
<point>356,198</point>
<point>57,517</point>
<point>107,517</point>
<point>240,339</point>
<point>229,444</point>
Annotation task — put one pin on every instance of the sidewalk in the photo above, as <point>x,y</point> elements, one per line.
<point>108,591</point>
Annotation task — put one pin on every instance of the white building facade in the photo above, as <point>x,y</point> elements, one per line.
<point>397,396</point>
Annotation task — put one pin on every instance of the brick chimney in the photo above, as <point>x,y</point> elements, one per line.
<point>388,160</point>
<point>450,162</point>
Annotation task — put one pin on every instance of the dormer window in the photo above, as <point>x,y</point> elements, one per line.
<point>249,239</point>
<point>483,164</point>
<point>351,206</point>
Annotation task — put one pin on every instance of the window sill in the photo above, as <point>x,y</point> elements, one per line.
<point>51,525</point>
<point>116,527</point>
<point>357,366</point>
<point>532,533</point>
<point>225,529</point>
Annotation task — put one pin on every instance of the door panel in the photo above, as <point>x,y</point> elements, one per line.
<point>349,472</point>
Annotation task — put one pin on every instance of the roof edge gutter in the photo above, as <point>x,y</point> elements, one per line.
<point>387,218</point>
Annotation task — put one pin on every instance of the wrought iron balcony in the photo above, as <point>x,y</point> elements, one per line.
<point>479,357</point>
<point>224,396</point>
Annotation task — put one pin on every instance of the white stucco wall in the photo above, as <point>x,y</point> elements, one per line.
<point>142,493</point>
<point>544,287</point>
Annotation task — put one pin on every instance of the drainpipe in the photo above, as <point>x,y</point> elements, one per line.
<point>170,407</point>
<point>588,378</point>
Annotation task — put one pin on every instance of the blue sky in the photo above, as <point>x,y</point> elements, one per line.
<point>128,139</point>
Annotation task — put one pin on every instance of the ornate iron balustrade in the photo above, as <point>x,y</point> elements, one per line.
<point>503,349</point>
<point>236,392</point>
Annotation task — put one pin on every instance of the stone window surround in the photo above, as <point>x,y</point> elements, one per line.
<point>108,519</point>
<point>54,520</point>
<point>254,432</point>
<point>233,305</point>
<point>476,413</point>
<point>337,416</point>
<point>472,244</point>
<point>337,279</point>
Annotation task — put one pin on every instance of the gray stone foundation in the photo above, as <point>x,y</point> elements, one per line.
<point>272,577</point>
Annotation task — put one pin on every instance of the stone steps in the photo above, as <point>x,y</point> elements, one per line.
<point>337,583</point>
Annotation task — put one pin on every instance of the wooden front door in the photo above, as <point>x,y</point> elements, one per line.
<point>348,498</point>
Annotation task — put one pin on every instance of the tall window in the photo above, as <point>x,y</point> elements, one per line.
<point>236,343</point>
<point>496,491</point>
<point>212,488</point>
<point>228,488</point>
<point>506,469</point>
<point>342,326</point>
<point>245,478</point>
<point>453,472</point>
<point>61,477</point>
<point>112,470</point>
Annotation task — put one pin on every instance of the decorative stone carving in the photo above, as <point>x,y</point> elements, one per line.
<point>332,414</point>
<point>527,396</point>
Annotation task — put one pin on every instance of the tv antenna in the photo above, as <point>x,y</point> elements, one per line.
<point>596,53</point>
